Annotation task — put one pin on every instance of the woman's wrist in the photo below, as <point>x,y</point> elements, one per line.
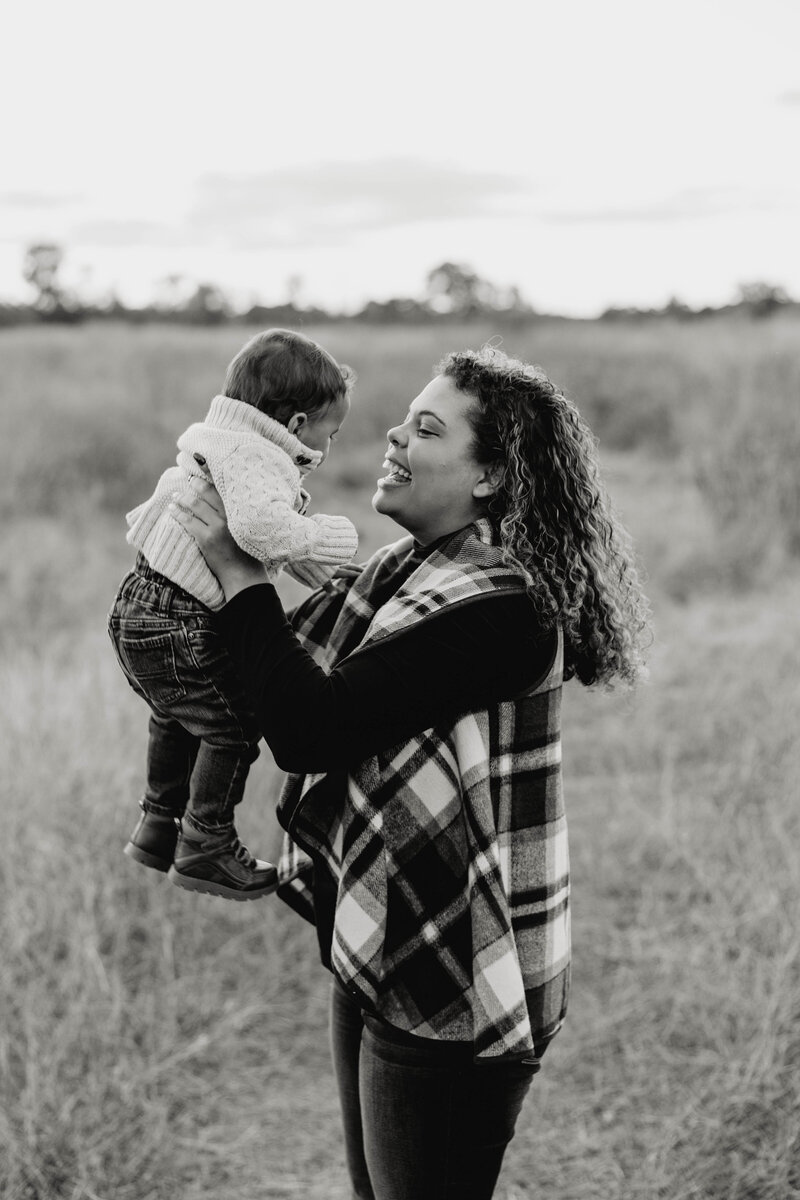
<point>236,578</point>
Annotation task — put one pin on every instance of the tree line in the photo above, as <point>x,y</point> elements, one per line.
<point>452,292</point>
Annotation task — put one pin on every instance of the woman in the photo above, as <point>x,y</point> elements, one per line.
<point>415,701</point>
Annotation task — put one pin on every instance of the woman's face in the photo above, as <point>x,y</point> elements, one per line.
<point>434,485</point>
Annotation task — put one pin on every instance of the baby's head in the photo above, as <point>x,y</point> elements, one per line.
<point>294,381</point>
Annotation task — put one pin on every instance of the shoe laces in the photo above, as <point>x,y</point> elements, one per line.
<point>242,854</point>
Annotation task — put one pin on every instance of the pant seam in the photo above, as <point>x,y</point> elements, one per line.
<point>445,1183</point>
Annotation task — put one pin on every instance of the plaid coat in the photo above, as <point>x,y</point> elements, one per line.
<point>449,852</point>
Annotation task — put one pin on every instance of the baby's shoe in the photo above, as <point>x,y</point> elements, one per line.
<point>153,841</point>
<point>220,865</point>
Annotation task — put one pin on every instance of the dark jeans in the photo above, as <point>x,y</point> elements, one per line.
<point>421,1120</point>
<point>203,735</point>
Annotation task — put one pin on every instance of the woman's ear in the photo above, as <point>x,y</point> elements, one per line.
<point>296,422</point>
<point>489,482</point>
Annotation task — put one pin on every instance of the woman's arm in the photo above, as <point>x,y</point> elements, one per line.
<point>487,650</point>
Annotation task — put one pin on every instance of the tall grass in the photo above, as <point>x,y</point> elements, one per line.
<point>155,1044</point>
<point>93,414</point>
<point>748,470</point>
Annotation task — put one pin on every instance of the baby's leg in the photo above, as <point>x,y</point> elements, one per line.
<point>212,714</point>
<point>218,780</point>
<point>171,755</point>
<point>214,709</point>
<point>209,856</point>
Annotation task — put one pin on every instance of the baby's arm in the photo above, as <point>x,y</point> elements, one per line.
<point>259,505</point>
<point>311,572</point>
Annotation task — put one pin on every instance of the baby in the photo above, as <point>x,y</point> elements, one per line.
<point>285,399</point>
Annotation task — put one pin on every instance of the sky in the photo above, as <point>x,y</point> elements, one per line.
<point>592,154</point>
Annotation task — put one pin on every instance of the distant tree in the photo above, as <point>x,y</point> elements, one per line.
<point>512,304</point>
<point>456,290</point>
<point>617,313</point>
<point>395,311</point>
<point>294,290</point>
<point>40,269</point>
<point>512,300</point>
<point>677,308</point>
<point>285,315</point>
<point>110,305</point>
<point>13,314</point>
<point>172,293</point>
<point>208,306</point>
<point>761,299</point>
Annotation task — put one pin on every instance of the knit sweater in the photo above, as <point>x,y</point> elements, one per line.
<point>448,858</point>
<point>257,466</point>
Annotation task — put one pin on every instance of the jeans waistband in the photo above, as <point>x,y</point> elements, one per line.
<point>142,567</point>
<point>443,1051</point>
<point>150,587</point>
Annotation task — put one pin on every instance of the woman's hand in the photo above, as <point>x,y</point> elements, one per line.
<point>201,512</point>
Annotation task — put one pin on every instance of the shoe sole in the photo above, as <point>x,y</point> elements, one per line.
<point>147,860</point>
<point>190,884</point>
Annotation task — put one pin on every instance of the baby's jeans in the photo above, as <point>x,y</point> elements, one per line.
<point>203,734</point>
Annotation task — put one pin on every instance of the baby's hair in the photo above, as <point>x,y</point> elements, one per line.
<point>282,372</point>
<point>554,519</point>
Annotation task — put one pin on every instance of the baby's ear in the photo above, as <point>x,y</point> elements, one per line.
<point>296,421</point>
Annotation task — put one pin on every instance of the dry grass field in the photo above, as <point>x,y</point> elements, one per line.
<point>157,1045</point>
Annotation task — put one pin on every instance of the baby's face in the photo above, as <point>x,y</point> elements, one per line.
<point>318,430</point>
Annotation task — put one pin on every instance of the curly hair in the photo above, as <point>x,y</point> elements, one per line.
<point>553,516</point>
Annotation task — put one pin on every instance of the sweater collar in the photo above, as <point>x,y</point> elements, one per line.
<point>227,413</point>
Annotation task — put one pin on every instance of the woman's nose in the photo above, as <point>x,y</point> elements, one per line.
<point>394,435</point>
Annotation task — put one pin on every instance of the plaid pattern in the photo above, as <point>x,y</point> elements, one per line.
<point>450,854</point>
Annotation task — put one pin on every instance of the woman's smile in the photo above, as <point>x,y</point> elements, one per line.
<point>398,476</point>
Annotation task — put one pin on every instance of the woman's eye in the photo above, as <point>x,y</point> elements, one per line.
<point>423,432</point>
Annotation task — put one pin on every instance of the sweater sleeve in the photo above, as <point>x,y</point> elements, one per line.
<point>487,650</point>
<point>259,506</point>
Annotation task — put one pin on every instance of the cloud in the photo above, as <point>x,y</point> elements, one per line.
<point>330,202</point>
<point>111,231</point>
<point>324,204</point>
<point>688,205</point>
<point>28,200</point>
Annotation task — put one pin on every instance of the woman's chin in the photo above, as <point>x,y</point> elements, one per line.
<point>381,501</point>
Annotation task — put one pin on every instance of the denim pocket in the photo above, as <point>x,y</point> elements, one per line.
<point>212,664</point>
<point>149,662</point>
<point>208,650</point>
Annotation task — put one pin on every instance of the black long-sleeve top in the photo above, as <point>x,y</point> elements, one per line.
<point>488,649</point>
